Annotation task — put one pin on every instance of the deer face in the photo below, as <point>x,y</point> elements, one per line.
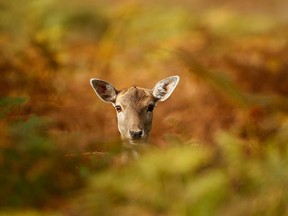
<point>134,106</point>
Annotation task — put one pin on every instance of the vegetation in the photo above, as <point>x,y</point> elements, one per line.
<point>218,145</point>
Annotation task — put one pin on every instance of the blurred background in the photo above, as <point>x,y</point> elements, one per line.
<point>56,136</point>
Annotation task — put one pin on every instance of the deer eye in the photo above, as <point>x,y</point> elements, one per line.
<point>118,108</point>
<point>150,108</point>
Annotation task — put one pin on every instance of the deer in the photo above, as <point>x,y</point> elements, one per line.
<point>134,106</point>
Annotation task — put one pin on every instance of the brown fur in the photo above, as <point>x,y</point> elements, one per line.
<point>134,106</point>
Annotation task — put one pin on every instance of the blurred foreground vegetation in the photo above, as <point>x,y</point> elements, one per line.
<point>234,178</point>
<point>218,146</point>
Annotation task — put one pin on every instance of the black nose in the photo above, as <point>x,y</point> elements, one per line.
<point>136,134</point>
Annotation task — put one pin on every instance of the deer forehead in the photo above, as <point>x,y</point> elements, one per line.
<point>135,97</point>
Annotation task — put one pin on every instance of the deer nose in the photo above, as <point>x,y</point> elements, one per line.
<point>136,134</point>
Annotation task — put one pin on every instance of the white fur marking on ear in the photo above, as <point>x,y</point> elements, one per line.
<point>164,88</point>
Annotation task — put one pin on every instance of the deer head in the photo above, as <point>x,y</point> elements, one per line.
<point>134,106</point>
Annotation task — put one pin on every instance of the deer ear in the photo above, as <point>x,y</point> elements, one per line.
<point>164,88</point>
<point>104,90</point>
